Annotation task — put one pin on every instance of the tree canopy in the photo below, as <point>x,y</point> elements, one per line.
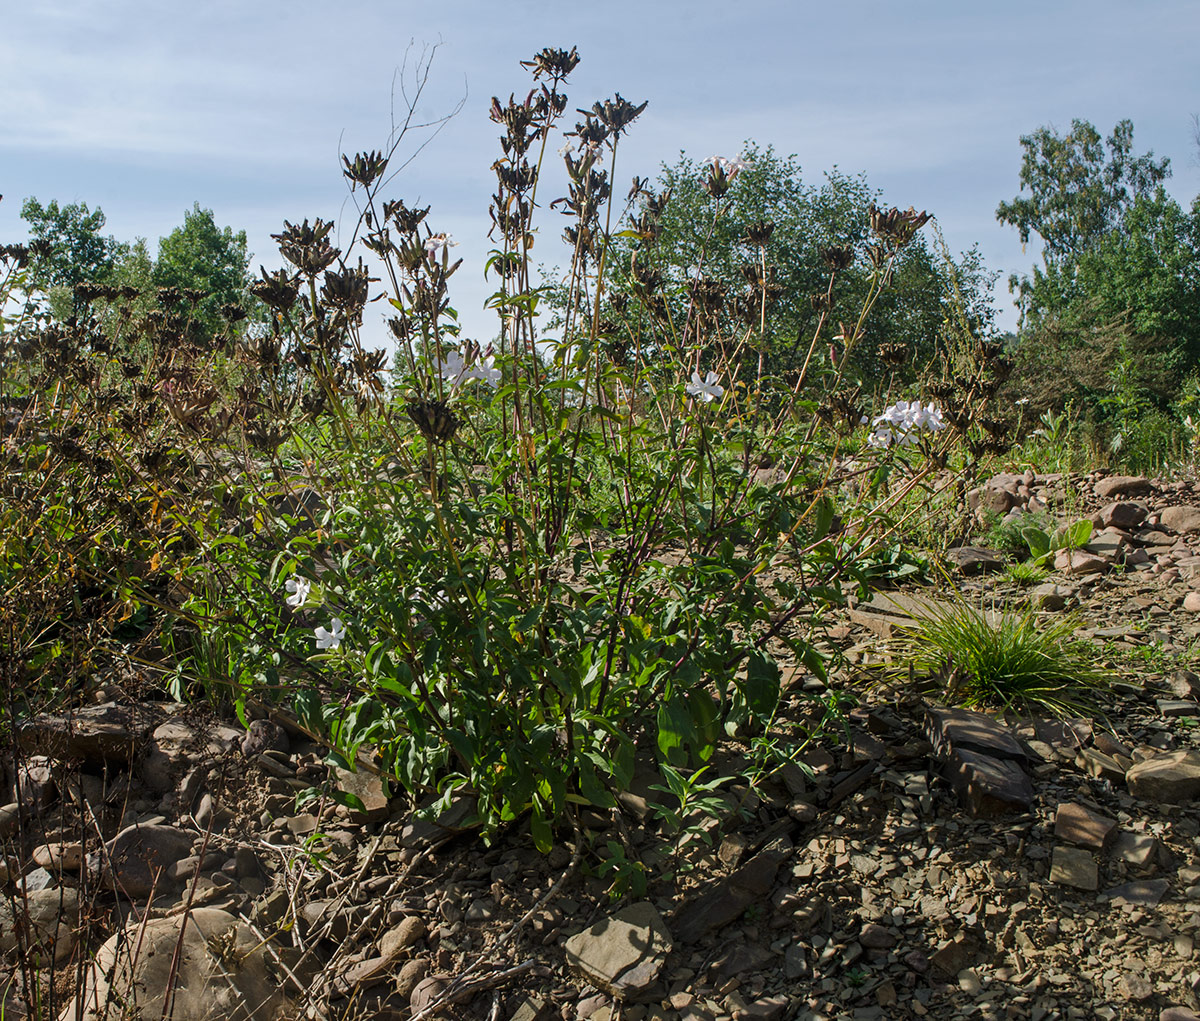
<point>701,237</point>
<point>66,247</point>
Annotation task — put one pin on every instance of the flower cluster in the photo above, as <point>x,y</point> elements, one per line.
<point>903,423</point>
<point>458,369</point>
<point>707,389</point>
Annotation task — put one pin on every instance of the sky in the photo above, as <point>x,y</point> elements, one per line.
<point>144,107</point>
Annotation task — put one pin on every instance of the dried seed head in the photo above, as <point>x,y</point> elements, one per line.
<point>893,354</point>
<point>433,419</point>
<point>276,290</point>
<point>365,169</point>
<point>552,63</point>
<point>895,225</point>
<point>837,258</point>
<point>759,233</point>
<point>307,248</point>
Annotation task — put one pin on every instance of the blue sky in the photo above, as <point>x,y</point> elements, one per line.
<point>145,107</point>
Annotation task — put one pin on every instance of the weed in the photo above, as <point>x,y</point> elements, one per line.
<point>1025,574</point>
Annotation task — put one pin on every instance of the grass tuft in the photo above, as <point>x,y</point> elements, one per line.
<point>1007,660</point>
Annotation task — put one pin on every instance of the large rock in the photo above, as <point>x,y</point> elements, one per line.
<point>1173,777</point>
<point>136,861</point>
<point>1123,514</point>
<point>972,560</point>
<point>1181,519</point>
<point>102,733</point>
<point>988,787</point>
<point>624,953</point>
<point>983,761</point>
<point>48,918</point>
<point>222,973</point>
<point>1123,485</point>
<point>172,748</point>
<point>964,730</point>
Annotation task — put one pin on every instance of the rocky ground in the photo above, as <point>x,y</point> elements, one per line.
<point>920,862</point>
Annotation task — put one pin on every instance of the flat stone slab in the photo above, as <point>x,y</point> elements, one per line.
<point>624,953</point>
<point>1078,825</point>
<point>1146,892</point>
<point>1135,848</point>
<point>1122,485</point>
<point>1071,866</point>
<point>972,560</point>
<point>726,900</point>
<point>962,730</point>
<point>102,733</point>
<point>1173,777</point>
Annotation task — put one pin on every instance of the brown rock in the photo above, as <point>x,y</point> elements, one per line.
<point>1078,825</point>
<point>1122,485</point>
<point>988,787</point>
<point>1181,519</point>
<point>624,953</point>
<point>1173,777</point>
<point>1071,866</point>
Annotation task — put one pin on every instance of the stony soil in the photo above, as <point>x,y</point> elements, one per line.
<point>915,863</point>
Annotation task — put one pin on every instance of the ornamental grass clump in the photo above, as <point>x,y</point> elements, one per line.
<point>1005,660</point>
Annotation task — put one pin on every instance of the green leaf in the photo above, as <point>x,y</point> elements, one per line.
<point>762,684</point>
<point>540,829</point>
<point>675,729</point>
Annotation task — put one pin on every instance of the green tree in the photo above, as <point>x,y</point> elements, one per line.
<point>1077,198</point>
<point>808,219</point>
<point>66,249</point>
<point>200,255</point>
<point>1119,282</point>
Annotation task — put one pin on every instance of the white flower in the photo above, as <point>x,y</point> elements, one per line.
<point>487,371</point>
<point>332,638</point>
<point>454,368</point>
<point>299,589</point>
<point>731,166</point>
<point>903,424</point>
<point>457,369</point>
<point>707,389</point>
<point>438,243</point>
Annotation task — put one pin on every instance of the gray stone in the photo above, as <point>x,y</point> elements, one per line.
<point>1071,866</point>
<point>101,733</point>
<point>1049,596</point>
<point>725,900</point>
<point>1137,849</point>
<point>1173,777</point>
<point>220,971</point>
<point>172,748</point>
<point>262,736</point>
<point>1145,892</point>
<point>136,860</point>
<point>49,920</point>
<point>1099,765</point>
<point>624,953</point>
